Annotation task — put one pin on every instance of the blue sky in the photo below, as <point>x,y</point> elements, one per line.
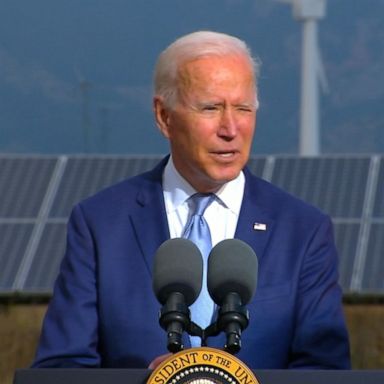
<point>50,49</point>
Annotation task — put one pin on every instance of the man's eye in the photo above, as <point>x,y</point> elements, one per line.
<point>244,108</point>
<point>210,108</point>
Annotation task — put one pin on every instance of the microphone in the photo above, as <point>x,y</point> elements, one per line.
<point>232,278</point>
<point>177,281</point>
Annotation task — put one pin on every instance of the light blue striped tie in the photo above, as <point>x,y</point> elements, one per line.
<point>197,230</point>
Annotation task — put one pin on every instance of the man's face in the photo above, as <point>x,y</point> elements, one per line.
<point>211,126</point>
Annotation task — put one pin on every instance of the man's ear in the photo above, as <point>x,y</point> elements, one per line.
<point>161,113</point>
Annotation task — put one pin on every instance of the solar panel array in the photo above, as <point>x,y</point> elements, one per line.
<point>38,192</point>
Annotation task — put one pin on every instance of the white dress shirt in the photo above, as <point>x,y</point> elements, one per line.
<point>222,214</point>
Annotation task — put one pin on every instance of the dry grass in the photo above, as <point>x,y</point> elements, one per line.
<point>19,331</point>
<point>20,327</point>
<point>366,328</point>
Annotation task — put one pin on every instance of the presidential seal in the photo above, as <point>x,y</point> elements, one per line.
<point>202,366</point>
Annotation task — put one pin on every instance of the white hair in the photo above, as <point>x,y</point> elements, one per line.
<point>191,47</point>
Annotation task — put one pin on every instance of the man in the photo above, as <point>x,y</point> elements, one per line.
<point>103,312</point>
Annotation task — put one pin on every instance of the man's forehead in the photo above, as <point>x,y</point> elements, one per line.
<point>211,69</point>
<point>212,61</point>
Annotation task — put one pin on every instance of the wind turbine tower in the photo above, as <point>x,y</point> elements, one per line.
<point>309,12</point>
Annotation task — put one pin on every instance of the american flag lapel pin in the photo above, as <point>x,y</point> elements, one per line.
<point>260,227</point>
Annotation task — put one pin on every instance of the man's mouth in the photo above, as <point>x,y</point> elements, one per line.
<point>225,154</point>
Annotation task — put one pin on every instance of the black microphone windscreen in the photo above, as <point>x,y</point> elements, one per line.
<point>232,267</point>
<point>178,267</point>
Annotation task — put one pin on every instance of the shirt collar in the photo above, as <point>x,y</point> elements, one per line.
<point>231,193</point>
<point>177,190</point>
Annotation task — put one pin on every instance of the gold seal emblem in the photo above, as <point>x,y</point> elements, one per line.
<point>202,366</point>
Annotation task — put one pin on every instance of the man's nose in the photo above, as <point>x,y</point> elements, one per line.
<point>228,125</point>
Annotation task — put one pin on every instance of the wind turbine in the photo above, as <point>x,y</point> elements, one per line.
<point>309,12</point>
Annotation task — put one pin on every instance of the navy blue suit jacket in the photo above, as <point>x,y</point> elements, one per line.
<point>104,314</point>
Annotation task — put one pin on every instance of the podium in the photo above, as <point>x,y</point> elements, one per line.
<point>140,376</point>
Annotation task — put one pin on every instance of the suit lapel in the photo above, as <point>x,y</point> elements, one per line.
<point>149,220</point>
<point>255,225</point>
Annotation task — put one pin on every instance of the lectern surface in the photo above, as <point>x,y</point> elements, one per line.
<point>140,376</point>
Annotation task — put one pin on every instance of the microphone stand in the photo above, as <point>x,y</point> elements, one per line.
<point>232,319</point>
<point>175,318</point>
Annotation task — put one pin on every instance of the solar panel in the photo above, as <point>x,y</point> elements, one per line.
<point>45,265</point>
<point>378,208</point>
<point>38,193</point>
<point>23,185</point>
<point>257,165</point>
<point>346,238</point>
<point>14,241</point>
<point>336,185</point>
<point>84,176</point>
<point>373,277</point>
